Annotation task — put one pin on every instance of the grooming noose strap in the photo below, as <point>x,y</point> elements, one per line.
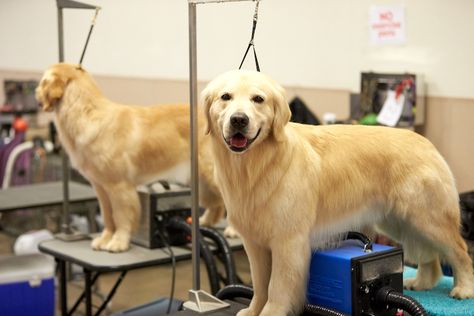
<point>251,43</point>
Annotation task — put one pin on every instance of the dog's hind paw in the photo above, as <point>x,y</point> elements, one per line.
<point>100,243</point>
<point>230,232</point>
<point>415,284</point>
<point>462,292</point>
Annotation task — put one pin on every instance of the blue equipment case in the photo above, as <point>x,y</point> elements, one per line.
<point>346,278</point>
<point>26,285</point>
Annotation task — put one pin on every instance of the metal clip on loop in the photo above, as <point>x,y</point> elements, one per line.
<point>251,43</point>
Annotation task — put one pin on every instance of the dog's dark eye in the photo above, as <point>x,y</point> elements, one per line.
<point>226,97</point>
<point>258,99</point>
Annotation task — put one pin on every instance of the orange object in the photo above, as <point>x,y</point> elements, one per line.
<point>189,220</point>
<point>20,124</point>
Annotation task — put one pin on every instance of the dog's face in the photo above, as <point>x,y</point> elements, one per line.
<point>244,108</point>
<point>53,84</point>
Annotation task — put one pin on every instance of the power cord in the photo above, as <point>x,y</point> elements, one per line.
<point>173,264</point>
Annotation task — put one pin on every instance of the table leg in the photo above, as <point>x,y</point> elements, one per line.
<point>63,285</point>
<point>88,291</point>
<point>91,216</point>
<point>82,296</point>
<point>111,293</point>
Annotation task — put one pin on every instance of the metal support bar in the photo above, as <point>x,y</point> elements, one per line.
<point>83,294</point>
<point>111,293</point>
<point>194,146</point>
<point>199,300</point>
<point>66,232</point>
<point>88,291</point>
<point>69,4</point>
<point>63,286</point>
<point>215,1</point>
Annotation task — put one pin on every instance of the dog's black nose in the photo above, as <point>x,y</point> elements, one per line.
<point>239,120</point>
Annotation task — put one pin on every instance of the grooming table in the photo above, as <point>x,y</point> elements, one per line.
<point>49,194</point>
<point>437,301</point>
<point>43,195</point>
<point>95,263</point>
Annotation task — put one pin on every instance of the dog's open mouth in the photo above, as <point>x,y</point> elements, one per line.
<point>238,142</point>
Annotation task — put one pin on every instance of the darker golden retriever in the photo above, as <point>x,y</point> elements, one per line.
<point>117,147</point>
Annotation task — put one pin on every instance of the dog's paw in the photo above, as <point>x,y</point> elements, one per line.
<point>246,312</point>
<point>204,221</point>
<point>118,243</point>
<point>100,242</point>
<point>230,232</point>
<point>462,292</point>
<point>415,284</point>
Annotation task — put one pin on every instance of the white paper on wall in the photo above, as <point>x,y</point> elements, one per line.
<point>387,24</point>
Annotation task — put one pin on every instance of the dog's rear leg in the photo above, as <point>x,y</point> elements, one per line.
<point>260,268</point>
<point>427,275</point>
<point>100,242</point>
<point>443,235</point>
<point>416,250</point>
<point>212,215</point>
<point>455,252</point>
<point>126,210</point>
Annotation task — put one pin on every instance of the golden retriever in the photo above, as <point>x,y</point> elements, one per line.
<point>287,187</point>
<point>117,147</point>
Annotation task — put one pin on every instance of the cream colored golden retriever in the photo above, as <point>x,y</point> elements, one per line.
<point>117,147</point>
<point>289,186</point>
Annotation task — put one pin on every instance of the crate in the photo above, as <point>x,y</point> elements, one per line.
<point>26,285</point>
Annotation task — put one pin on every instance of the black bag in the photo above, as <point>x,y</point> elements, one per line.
<point>301,114</point>
<point>466,201</point>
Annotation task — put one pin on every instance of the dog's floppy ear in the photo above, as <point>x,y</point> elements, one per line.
<point>207,97</point>
<point>282,113</point>
<point>50,91</point>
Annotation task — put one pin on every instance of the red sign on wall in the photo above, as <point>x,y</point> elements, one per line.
<point>387,25</point>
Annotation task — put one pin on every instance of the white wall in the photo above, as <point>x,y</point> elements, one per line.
<point>311,43</point>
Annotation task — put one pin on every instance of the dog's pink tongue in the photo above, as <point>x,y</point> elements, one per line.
<point>239,141</point>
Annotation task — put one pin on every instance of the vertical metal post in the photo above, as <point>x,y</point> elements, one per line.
<point>60,35</point>
<point>65,225</point>
<point>67,233</point>
<point>194,146</point>
<point>199,300</point>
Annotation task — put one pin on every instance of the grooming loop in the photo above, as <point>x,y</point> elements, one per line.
<point>97,9</point>
<point>251,43</point>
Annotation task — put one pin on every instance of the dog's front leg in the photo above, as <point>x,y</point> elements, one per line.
<point>260,268</point>
<point>290,264</point>
<point>125,213</point>
<point>100,243</point>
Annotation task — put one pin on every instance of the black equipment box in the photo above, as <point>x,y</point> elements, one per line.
<point>158,206</point>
